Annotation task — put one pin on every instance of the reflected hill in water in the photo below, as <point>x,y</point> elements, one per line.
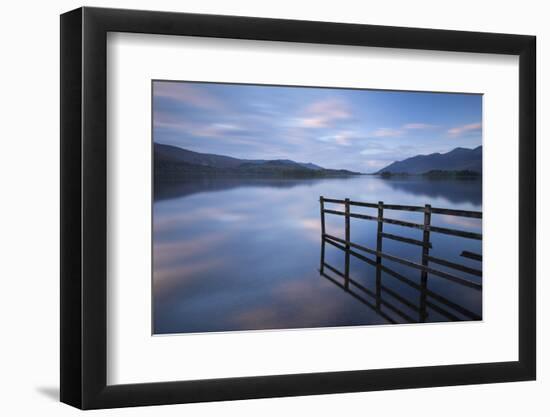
<point>463,190</point>
<point>164,190</point>
<point>456,191</point>
<point>180,172</point>
<point>243,254</point>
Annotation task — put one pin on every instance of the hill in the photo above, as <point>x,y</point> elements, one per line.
<point>172,162</point>
<point>459,159</point>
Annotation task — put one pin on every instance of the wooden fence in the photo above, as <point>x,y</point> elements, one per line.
<point>385,296</point>
<point>425,267</point>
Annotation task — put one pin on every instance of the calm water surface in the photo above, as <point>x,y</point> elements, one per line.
<point>245,254</point>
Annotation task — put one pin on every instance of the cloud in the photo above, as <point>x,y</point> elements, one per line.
<point>207,130</point>
<point>390,132</point>
<point>387,132</point>
<point>418,126</point>
<point>230,132</point>
<point>372,151</point>
<point>184,274</point>
<point>187,94</point>
<point>324,113</point>
<point>168,253</point>
<point>465,129</point>
<point>216,130</point>
<point>375,163</point>
<point>373,147</point>
<point>182,262</point>
<point>341,138</point>
<point>332,128</point>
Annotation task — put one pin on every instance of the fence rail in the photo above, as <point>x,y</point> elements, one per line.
<point>424,227</point>
<point>352,248</point>
<point>380,297</point>
<point>420,209</point>
<point>425,266</point>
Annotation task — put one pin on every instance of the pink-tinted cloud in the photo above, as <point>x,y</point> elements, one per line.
<point>375,163</point>
<point>387,132</point>
<point>215,130</point>
<point>324,113</point>
<point>297,295</point>
<point>394,132</point>
<point>176,262</point>
<point>418,126</point>
<point>209,130</point>
<point>342,138</point>
<point>188,94</point>
<point>221,131</point>
<point>462,130</point>
<point>165,278</point>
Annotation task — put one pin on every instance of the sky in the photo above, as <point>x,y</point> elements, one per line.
<point>359,130</point>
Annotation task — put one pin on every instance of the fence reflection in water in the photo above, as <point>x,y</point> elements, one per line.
<point>386,301</point>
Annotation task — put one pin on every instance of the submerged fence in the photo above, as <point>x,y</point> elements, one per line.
<point>425,266</point>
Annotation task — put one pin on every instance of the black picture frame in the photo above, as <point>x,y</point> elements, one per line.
<point>84,207</point>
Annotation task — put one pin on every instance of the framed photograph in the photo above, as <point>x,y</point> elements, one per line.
<point>258,208</point>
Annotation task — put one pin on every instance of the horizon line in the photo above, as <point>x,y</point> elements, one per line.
<point>309,162</point>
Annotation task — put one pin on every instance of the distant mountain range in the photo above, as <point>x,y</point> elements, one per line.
<point>461,161</point>
<point>172,162</point>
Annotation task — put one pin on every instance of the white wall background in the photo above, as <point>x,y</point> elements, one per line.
<point>29,237</point>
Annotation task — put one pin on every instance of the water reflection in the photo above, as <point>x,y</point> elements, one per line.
<point>454,191</point>
<point>244,255</point>
<point>166,190</point>
<point>388,303</point>
<point>462,190</point>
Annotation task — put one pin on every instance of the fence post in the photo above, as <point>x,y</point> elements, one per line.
<point>425,254</point>
<point>322,203</point>
<point>348,240</point>
<point>380,225</point>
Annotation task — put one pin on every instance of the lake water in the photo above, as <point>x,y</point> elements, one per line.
<point>245,255</point>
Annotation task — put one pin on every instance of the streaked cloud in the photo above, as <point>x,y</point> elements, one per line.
<point>333,128</point>
<point>188,94</point>
<point>375,147</point>
<point>343,138</point>
<point>215,130</point>
<point>464,129</point>
<point>324,113</point>
<point>384,132</point>
<point>387,132</point>
<point>375,163</point>
<point>418,126</point>
<point>372,151</point>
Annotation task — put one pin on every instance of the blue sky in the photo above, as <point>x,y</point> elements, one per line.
<point>361,130</point>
